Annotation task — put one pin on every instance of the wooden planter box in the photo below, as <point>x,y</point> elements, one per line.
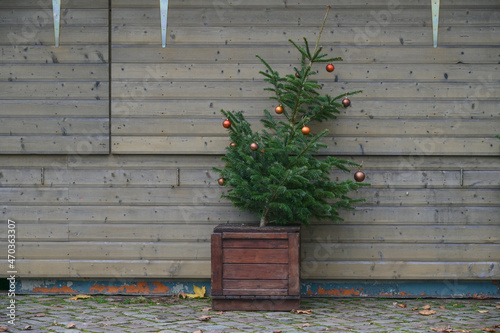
<point>255,268</point>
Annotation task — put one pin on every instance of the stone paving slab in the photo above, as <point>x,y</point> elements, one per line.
<point>41,313</point>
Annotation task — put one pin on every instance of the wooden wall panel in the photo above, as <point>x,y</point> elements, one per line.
<point>423,127</point>
<point>152,216</point>
<point>54,100</point>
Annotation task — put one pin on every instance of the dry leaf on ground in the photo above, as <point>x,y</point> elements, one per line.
<point>476,296</point>
<point>200,331</point>
<point>27,327</point>
<point>206,309</point>
<point>71,325</point>
<point>463,331</point>
<point>426,307</point>
<point>3,328</point>
<point>427,312</point>
<point>77,297</point>
<point>198,292</point>
<point>205,318</point>
<point>488,330</point>
<point>40,315</point>
<point>304,325</point>
<point>482,311</point>
<point>401,305</point>
<point>303,311</point>
<point>277,331</point>
<point>220,312</point>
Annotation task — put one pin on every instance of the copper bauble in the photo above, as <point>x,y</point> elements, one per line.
<point>359,176</point>
<point>306,130</point>
<point>297,75</point>
<point>346,102</point>
<point>254,146</point>
<point>278,109</point>
<point>330,68</point>
<point>221,181</point>
<point>226,123</point>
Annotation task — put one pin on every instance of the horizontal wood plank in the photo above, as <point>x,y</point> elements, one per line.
<point>255,271</point>
<point>413,146</point>
<point>255,256</point>
<point>396,270</point>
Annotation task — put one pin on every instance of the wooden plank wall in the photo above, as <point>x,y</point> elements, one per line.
<point>424,128</point>
<point>54,100</point>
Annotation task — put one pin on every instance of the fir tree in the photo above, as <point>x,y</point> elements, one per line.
<point>276,172</point>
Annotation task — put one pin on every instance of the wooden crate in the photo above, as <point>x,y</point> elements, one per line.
<point>255,268</point>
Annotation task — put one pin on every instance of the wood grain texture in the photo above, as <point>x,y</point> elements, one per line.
<point>423,127</point>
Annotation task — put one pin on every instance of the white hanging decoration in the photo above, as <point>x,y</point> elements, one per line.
<point>56,12</point>
<point>435,21</point>
<point>163,12</point>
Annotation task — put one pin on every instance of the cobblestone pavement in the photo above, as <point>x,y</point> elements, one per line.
<point>41,313</point>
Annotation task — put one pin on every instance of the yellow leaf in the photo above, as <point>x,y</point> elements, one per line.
<point>198,292</point>
<point>77,297</point>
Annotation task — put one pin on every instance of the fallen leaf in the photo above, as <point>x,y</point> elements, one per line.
<point>488,330</point>
<point>206,309</point>
<point>205,318</point>
<point>277,331</point>
<point>427,312</point>
<point>464,331</point>
<point>498,306</point>
<point>482,311</point>
<point>200,331</point>
<point>3,328</point>
<point>27,328</point>
<point>219,313</point>
<point>71,325</point>
<point>183,295</point>
<point>442,307</point>
<point>402,305</point>
<point>426,307</point>
<point>443,329</point>
<point>303,311</point>
<point>198,292</point>
<point>476,296</point>
<point>304,325</point>
<point>496,326</point>
<point>77,297</point>
<point>414,309</point>
<point>40,315</point>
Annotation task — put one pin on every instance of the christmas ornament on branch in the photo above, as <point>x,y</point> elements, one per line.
<point>286,182</point>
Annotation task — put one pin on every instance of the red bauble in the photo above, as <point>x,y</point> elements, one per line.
<point>221,181</point>
<point>359,176</point>
<point>330,68</point>
<point>306,130</point>
<point>254,146</point>
<point>346,102</point>
<point>226,123</point>
<point>233,144</point>
<point>278,109</point>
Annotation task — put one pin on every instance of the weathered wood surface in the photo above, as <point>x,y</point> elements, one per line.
<point>423,127</point>
<point>54,100</point>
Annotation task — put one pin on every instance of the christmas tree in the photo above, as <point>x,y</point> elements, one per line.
<point>276,172</point>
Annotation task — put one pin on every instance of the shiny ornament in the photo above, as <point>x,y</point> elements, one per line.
<point>306,130</point>
<point>278,109</point>
<point>254,146</point>
<point>233,144</point>
<point>221,181</point>
<point>359,176</point>
<point>297,75</point>
<point>226,123</point>
<point>330,68</point>
<point>346,102</point>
